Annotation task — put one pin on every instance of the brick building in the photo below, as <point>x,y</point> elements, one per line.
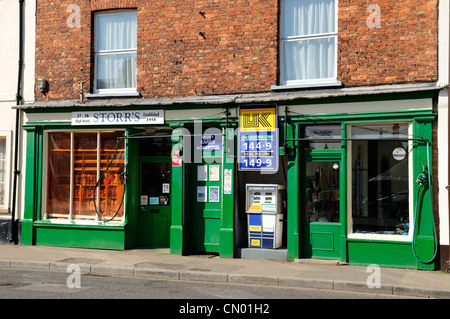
<point>136,137</point>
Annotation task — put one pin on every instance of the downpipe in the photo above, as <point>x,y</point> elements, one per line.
<point>14,228</point>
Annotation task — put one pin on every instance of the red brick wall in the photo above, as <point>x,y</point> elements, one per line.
<point>238,51</point>
<point>402,50</point>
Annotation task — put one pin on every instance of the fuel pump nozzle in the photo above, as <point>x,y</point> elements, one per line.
<point>422,178</point>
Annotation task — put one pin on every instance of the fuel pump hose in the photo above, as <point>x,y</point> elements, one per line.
<point>421,183</point>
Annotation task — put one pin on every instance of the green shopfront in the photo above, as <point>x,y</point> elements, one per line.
<point>355,172</point>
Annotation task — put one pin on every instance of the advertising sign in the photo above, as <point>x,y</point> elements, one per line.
<point>118,117</point>
<point>258,140</point>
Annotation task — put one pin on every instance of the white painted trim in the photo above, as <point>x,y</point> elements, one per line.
<point>4,209</point>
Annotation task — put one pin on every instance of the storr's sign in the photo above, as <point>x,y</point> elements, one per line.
<point>118,117</point>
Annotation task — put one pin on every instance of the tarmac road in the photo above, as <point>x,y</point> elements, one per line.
<point>159,265</point>
<point>29,284</point>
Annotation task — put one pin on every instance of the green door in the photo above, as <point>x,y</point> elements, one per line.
<point>204,189</point>
<point>154,215</point>
<point>321,220</point>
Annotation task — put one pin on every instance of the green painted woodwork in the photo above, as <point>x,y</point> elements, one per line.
<point>343,204</point>
<point>100,237</point>
<point>153,221</point>
<point>178,194</point>
<point>132,201</point>
<point>204,217</point>
<point>383,254</point>
<point>294,174</point>
<point>331,241</point>
<point>227,234</point>
<point>211,228</point>
<point>321,239</point>
<point>36,231</point>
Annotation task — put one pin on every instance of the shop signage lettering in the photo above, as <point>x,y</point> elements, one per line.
<point>118,117</point>
<point>209,143</point>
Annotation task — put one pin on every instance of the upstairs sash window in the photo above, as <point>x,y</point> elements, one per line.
<point>115,52</point>
<point>308,41</point>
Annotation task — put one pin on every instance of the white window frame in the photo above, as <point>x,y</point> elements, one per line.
<point>400,238</point>
<point>69,220</point>
<point>4,207</point>
<point>118,91</point>
<point>318,82</point>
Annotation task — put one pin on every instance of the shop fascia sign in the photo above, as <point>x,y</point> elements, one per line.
<point>118,117</point>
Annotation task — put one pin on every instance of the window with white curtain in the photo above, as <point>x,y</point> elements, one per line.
<point>5,152</point>
<point>308,42</point>
<point>115,52</point>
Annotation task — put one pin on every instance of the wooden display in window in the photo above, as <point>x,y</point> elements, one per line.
<point>108,195</point>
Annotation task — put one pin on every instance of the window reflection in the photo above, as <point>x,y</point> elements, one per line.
<point>322,192</point>
<point>155,144</point>
<point>155,183</point>
<point>327,133</point>
<point>380,179</point>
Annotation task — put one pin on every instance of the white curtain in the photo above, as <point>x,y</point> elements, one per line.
<point>116,50</point>
<point>307,53</point>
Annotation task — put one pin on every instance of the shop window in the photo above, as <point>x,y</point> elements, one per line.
<point>115,52</point>
<point>83,175</point>
<point>380,184</point>
<point>308,42</point>
<point>4,170</point>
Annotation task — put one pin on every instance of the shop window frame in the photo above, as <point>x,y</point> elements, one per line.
<point>44,180</point>
<point>411,198</point>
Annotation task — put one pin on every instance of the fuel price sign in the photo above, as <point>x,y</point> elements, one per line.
<point>258,142</point>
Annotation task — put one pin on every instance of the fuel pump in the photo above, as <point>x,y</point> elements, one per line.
<point>265,208</point>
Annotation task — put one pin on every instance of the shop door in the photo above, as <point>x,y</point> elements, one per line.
<point>154,216</point>
<point>204,211</point>
<point>321,226</point>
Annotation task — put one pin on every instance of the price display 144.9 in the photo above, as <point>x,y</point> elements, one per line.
<point>257,154</point>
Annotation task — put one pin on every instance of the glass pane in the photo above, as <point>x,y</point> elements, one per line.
<point>58,175</point>
<point>155,183</point>
<point>306,17</point>
<point>309,59</point>
<point>326,132</point>
<point>85,175</point>
<point>117,31</point>
<point>322,192</point>
<point>2,147</point>
<point>2,194</point>
<point>380,179</point>
<point>112,184</point>
<point>155,146</point>
<point>116,71</point>
<point>2,171</point>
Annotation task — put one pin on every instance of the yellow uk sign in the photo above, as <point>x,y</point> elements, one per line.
<point>257,120</point>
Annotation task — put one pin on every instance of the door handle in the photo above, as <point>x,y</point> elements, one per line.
<point>143,209</point>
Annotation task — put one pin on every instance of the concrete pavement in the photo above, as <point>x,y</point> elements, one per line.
<point>159,263</point>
